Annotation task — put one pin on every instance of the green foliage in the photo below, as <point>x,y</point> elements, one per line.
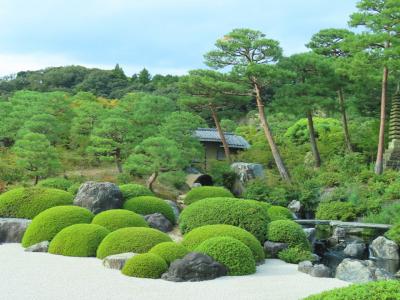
<point>197,236</point>
<point>146,205</point>
<point>221,173</point>
<point>228,125</point>
<point>169,251</point>
<point>56,183</point>
<point>78,240</point>
<point>48,223</point>
<point>114,219</point>
<point>394,233</point>
<point>146,265</point>
<point>131,239</point>
<point>294,255</point>
<point>279,213</point>
<point>287,231</point>
<point>74,188</point>
<point>29,202</point>
<point>246,214</point>
<point>336,210</point>
<point>202,192</point>
<point>232,253</point>
<point>390,214</point>
<point>132,190</point>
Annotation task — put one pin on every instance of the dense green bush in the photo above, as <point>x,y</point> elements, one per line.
<point>146,205</point>
<point>169,251</point>
<point>197,236</point>
<point>377,290</point>
<point>48,223</point>
<point>146,265</point>
<point>74,188</point>
<point>389,214</point>
<point>230,252</point>
<point>114,219</point>
<point>56,183</point>
<point>294,255</point>
<point>394,233</point>
<point>222,174</point>
<point>131,239</point>
<point>246,214</point>
<point>29,202</point>
<point>287,231</point>
<point>203,192</point>
<point>78,240</point>
<point>279,213</point>
<point>336,210</point>
<point>132,190</point>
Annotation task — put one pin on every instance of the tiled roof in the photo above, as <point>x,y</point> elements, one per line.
<point>211,135</point>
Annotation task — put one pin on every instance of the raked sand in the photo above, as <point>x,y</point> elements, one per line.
<point>42,276</point>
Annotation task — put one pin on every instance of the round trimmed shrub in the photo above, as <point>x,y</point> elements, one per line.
<point>336,210</point>
<point>27,203</point>
<point>203,192</point>
<point>294,255</point>
<point>394,234</point>
<point>247,214</point>
<point>279,213</point>
<point>132,190</point>
<point>376,290</point>
<point>287,231</point>
<point>56,183</point>
<point>146,205</point>
<point>48,223</point>
<point>169,251</point>
<point>199,235</point>
<point>131,239</point>
<point>146,265</point>
<point>114,219</point>
<point>78,240</point>
<point>230,252</point>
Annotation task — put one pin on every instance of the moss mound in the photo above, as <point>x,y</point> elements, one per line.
<point>197,236</point>
<point>114,219</point>
<point>203,192</point>
<point>169,251</point>
<point>146,265</point>
<point>235,255</point>
<point>336,210</point>
<point>131,239</point>
<point>279,213</point>
<point>48,223</point>
<point>287,231</point>
<point>78,240</point>
<point>247,214</point>
<point>132,190</point>
<point>29,202</point>
<point>56,183</point>
<point>146,205</point>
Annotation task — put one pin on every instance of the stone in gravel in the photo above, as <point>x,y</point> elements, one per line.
<point>355,250</point>
<point>39,247</point>
<point>117,261</point>
<point>12,229</point>
<point>305,267</point>
<point>158,221</point>
<point>320,271</point>
<point>383,248</point>
<point>357,271</point>
<point>273,248</point>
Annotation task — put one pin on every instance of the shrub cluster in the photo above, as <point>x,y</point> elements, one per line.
<point>294,255</point>
<point>169,251</point>
<point>132,190</point>
<point>279,213</point>
<point>74,188</point>
<point>146,265</point>
<point>203,192</point>
<point>146,205</point>
<point>114,219</point>
<point>287,231</point>
<point>394,233</point>
<point>336,210</point>
<point>56,183</point>
<point>29,202</point>
<point>48,223</point>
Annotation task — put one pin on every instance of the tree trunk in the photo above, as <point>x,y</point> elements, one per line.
<point>118,160</point>
<point>36,180</point>
<point>381,141</point>
<point>268,135</point>
<point>344,120</point>
<point>151,181</point>
<point>313,140</point>
<point>220,133</point>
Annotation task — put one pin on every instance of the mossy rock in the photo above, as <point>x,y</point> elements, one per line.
<point>289,232</point>
<point>132,190</point>
<point>146,205</point>
<point>169,251</point>
<point>146,265</point>
<point>114,219</point>
<point>203,192</point>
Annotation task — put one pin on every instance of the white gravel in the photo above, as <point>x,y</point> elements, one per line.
<point>42,276</point>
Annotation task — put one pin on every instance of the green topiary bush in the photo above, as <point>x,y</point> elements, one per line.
<point>146,205</point>
<point>279,213</point>
<point>294,255</point>
<point>114,219</point>
<point>78,240</point>
<point>56,183</point>
<point>377,290</point>
<point>203,192</point>
<point>48,223</point>
<point>29,202</point>
<point>73,189</point>
<point>336,210</point>
<point>249,215</point>
<point>131,239</point>
<point>146,265</point>
<point>230,252</point>
<point>287,231</point>
<point>394,233</point>
<point>197,236</point>
<point>132,190</point>
<point>169,251</point>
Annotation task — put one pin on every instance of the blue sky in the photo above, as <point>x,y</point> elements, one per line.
<point>165,36</point>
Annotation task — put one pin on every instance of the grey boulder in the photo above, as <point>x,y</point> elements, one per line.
<point>117,261</point>
<point>39,247</point>
<point>272,248</point>
<point>360,271</point>
<point>12,229</point>
<point>320,271</point>
<point>305,267</point>
<point>383,248</point>
<point>158,221</point>
<point>355,250</point>
<point>295,206</point>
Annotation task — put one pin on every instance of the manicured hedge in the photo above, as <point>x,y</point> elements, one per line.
<point>336,210</point>
<point>114,219</point>
<point>247,214</point>
<point>132,190</point>
<point>197,236</point>
<point>29,202</point>
<point>48,223</point>
<point>294,255</point>
<point>230,252</point>
<point>146,205</point>
<point>279,213</point>
<point>377,290</point>
<point>56,183</point>
<point>78,240</point>
<point>169,251</point>
<point>131,239</point>
<point>287,231</point>
<point>203,192</point>
<point>146,265</point>
<point>394,234</point>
